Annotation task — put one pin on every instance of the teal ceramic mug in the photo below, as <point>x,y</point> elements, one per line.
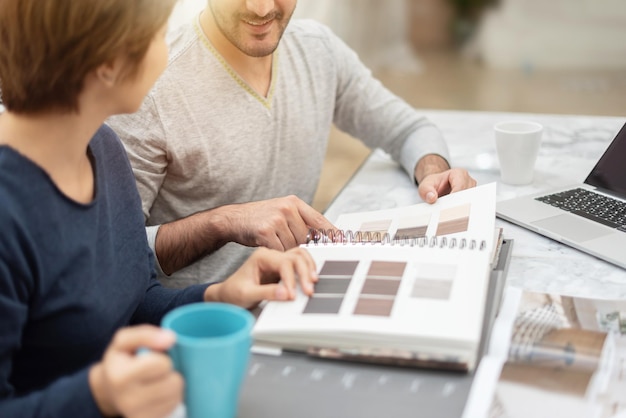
<point>212,352</point>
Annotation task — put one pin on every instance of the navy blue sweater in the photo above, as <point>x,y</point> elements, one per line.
<point>70,276</point>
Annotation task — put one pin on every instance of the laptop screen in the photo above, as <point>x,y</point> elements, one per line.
<point>610,172</point>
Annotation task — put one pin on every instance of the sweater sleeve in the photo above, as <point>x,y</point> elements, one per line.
<point>369,111</point>
<point>66,397</point>
<point>159,300</point>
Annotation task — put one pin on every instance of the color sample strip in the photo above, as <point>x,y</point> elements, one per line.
<point>334,280</point>
<point>380,288</point>
<point>432,289</point>
<point>389,269</point>
<point>412,227</point>
<point>374,231</point>
<point>373,306</point>
<point>333,268</point>
<point>323,305</point>
<point>434,281</point>
<point>454,220</point>
<point>332,285</point>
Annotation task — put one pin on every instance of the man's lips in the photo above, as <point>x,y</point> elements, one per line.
<point>258,23</point>
<point>259,27</point>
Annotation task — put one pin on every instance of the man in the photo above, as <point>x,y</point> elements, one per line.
<point>228,147</point>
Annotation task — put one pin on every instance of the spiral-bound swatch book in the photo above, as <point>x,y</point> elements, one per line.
<point>409,287</point>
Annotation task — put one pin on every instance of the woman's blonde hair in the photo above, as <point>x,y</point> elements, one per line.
<point>47,47</point>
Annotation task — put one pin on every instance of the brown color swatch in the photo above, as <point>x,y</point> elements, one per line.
<point>386,269</point>
<point>381,287</point>
<point>338,268</point>
<point>413,232</point>
<point>414,226</point>
<point>454,220</point>
<point>373,306</point>
<point>452,227</point>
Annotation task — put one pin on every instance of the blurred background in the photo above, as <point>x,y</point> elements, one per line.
<point>533,56</point>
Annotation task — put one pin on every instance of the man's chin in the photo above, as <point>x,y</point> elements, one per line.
<point>258,50</point>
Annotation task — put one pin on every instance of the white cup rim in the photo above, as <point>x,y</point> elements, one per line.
<point>522,126</point>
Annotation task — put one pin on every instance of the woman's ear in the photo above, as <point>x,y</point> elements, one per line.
<point>108,73</point>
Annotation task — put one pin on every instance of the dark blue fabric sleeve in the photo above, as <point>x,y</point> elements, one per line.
<point>66,397</point>
<point>160,300</point>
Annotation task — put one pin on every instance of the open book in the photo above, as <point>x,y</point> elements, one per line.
<point>412,293</point>
<point>553,355</point>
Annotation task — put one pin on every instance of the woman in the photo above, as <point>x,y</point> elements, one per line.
<point>75,267</point>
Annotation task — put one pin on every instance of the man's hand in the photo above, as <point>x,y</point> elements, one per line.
<point>436,178</point>
<point>279,224</point>
<point>266,275</point>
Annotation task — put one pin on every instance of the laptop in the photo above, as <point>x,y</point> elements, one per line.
<point>590,216</point>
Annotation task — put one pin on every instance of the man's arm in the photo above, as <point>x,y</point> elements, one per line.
<point>367,110</point>
<point>279,224</point>
<point>185,241</point>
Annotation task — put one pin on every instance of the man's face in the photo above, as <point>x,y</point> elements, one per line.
<point>253,26</point>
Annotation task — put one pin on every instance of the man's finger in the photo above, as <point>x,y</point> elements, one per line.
<point>428,193</point>
<point>287,238</point>
<point>314,219</point>
<point>460,180</point>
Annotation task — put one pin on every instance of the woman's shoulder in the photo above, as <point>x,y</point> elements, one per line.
<point>107,141</point>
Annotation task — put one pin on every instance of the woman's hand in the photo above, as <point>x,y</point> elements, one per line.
<point>266,275</point>
<point>137,386</point>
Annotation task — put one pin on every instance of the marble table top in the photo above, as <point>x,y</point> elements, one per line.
<point>571,146</point>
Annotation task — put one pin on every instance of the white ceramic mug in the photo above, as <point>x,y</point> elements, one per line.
<point>517,145</point>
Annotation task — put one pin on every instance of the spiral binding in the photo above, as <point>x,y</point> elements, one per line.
<point>334,236</point>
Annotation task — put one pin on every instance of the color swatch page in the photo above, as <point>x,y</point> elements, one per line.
<point>421,299</point>
<point>468,214</point>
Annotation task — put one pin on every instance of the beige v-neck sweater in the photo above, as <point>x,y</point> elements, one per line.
<point>203,138</point>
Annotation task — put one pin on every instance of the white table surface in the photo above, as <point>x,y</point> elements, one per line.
<point>571,146</point>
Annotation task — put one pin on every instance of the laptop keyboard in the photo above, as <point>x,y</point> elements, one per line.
<point>590,205</point>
